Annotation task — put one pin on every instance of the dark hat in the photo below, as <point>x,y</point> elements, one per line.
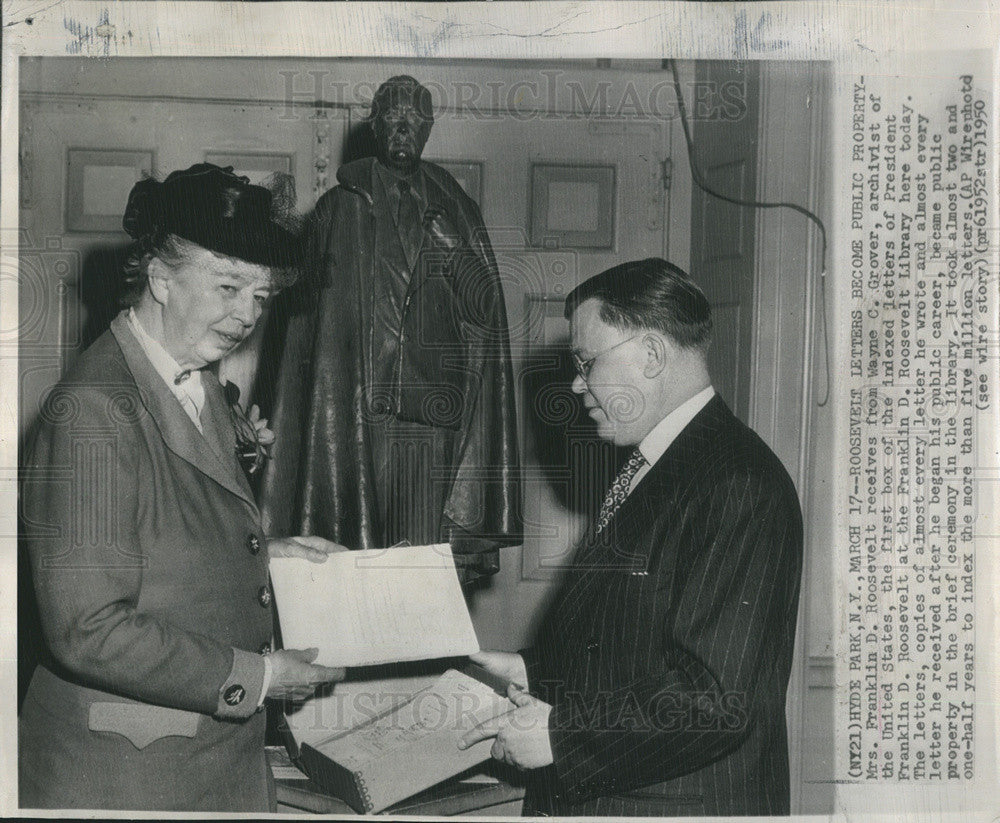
<point>216,209</point>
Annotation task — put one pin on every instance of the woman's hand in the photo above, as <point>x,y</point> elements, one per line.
<point>295,677</point>
<point>310,547</point>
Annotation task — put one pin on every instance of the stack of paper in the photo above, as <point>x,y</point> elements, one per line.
<point>362,608</point>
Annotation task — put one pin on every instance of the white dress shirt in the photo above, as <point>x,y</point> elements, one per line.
<point>664,433</point>
<point>190,393</point>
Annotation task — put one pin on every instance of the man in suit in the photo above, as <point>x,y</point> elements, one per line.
<point>394,400</point>
<point>658,676</point>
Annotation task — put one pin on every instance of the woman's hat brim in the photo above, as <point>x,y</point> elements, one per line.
<point>219,211</point>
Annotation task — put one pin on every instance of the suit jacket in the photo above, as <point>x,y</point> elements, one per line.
<point>150,568</point>
<point>667,651</point>
<point>429,347</point>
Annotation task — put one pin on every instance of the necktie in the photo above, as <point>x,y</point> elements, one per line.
<point>619,490</point>
<point>409,222</point>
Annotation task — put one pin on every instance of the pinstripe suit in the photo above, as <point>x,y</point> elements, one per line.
<point>667,652</point>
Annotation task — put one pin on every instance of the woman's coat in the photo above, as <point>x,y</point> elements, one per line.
<point>150,568</point>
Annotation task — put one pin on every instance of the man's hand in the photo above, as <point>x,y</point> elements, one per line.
<point>507,665</point>
<point>521,736</point>
<point>294,677</point>
<point>311,547</point>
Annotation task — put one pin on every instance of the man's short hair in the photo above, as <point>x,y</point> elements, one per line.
<point>402,85</point>
<point>649,294</point>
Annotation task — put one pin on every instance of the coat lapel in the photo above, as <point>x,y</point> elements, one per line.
<point>668,474</point>
<point>419,268</point>
<point>623,549</point>
<point>178,432</point>
<point>389,239</point>
<point>657,489</point>
<point>218,425</point>
<point>437,197</point>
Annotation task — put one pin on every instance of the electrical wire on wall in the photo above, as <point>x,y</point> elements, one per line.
<point>699,181</point>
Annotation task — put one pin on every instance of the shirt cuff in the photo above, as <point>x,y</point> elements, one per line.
<point>268,671</point>
<point>239,696</point>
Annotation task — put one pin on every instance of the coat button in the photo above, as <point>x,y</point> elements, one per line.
<point>264,596</point>
<point>253,544</point>
<point>234,695</point>
<point>265,648</point>
<point>592,647</point>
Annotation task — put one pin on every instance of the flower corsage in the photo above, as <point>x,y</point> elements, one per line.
<point>253,437</point>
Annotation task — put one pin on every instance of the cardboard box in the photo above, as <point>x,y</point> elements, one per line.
<point>411,747</point>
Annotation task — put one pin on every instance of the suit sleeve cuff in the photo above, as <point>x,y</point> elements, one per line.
<point>574,773</point>
<point>239,696</point>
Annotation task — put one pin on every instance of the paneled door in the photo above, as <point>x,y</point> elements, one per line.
<point>724,118</point>
<point>563,198</point>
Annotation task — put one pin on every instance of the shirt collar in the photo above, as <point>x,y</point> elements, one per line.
<point>664,433</point>
<point>167,367</point>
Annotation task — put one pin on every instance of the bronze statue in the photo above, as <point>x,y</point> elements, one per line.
<point>394,399</point>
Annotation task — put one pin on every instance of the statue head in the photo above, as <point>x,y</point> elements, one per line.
<point>401,117</point>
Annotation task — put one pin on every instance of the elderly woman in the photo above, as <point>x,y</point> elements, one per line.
<point>147,551</point>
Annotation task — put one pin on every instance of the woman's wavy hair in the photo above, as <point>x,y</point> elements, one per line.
<point>173,251</point>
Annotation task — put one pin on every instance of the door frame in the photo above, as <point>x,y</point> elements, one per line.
<point>786,351</point>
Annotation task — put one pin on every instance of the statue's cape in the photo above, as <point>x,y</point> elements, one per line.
<point>313,381</point>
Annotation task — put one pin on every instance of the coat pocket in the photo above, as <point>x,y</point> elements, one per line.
<point>140,723</point>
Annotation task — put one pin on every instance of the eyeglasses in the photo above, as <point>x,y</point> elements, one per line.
<point>583,367</point>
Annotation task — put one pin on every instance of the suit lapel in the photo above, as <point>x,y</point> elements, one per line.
<point>655,491</point>
<point>625,550</point>
<point>178,432</point>
<point>686,452</point>
<point>411,232</point>
<point>389,237</point>
<point>436,196</point>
